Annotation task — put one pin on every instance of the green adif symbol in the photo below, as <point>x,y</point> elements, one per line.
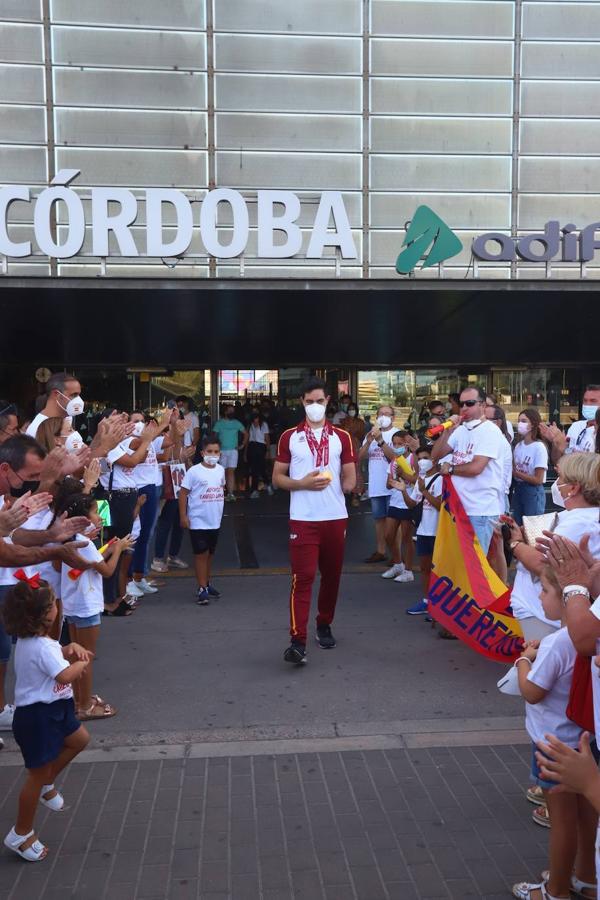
<point>426,229</point>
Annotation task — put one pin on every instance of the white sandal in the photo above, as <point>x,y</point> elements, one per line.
<point>522,891</point>
<point>57,803</point>
<point>577,886</point>
<point>34,853</point>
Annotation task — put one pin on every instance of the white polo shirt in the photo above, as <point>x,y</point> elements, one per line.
<point>293,450</point>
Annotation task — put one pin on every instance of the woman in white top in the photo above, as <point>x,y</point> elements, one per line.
<point>530,464</point>
<point>256,453</point>
<point>578,490</point>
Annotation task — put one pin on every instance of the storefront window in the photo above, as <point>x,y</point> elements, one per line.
<point>193,383</point>
<point>407,390</point>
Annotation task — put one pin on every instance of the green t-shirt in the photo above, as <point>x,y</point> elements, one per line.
<point>228,430</point>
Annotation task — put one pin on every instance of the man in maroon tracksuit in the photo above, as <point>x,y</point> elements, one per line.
<point>316,463</point>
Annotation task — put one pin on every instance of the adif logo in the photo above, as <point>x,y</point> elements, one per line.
<point>426,229</point>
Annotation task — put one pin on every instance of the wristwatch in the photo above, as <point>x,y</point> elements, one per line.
<point>572,590</point>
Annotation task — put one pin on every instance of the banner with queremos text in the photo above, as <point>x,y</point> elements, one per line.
<point>465,595</point>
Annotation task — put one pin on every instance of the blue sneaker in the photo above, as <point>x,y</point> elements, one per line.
<point>213,592</point>
<point>419,609</point>
<point>203,598</point>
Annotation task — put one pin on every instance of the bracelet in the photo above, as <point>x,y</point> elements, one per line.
<point>526,658</point>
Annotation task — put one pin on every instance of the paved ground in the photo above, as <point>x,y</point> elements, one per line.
<point>390,767</point>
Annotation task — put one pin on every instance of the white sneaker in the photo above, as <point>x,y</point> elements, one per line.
<point>6,717</point>
<point>395,570</point>
<point>405,576</point>
<point>255,495</point>
<point>146,587</point>
<point>175,562</point>
<point>159,565</point>
<point>132,589</point>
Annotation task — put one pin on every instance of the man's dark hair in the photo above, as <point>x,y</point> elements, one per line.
<point>6,409</point>
<point>183,398</point>
<point>592,387</point>
<point>58,382</point>
<point>210,439</point>
<point>481,394</point>
<point>500,416</point>
<point>15,449</point>
<point>313,384</point>
<point>401,434</point>
<point>454,397</point>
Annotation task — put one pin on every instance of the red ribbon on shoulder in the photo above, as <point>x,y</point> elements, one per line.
<point>33,581</point>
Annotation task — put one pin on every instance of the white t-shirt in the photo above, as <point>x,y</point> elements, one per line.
<point>41,521</point>
<point>188,436</point>
<point>573,524</point>
<point>38,660</point>
<point>506,463</point>
<point>481,495</point>
<point>205,500</point>
<point>529,457</point>
<point>256,434</point>
<point>35,424</point>
<point>157,443</point>
<point>511,430</point>
<point>83,597</point>
<point>123,477</point>
<point>595,609</point>
<point>397,497</point>
<point>7,574</point>
<point>582,438</point>
<point>552,670</point>
<point>316,506</point>
<point>379,465</point>
<point>148,472</point>
<point>430,516</point>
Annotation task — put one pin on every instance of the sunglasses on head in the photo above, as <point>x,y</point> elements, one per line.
<point>469,402</point>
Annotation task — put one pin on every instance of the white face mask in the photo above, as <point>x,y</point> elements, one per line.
<point>424,466</point>
<point>557,497</point>
<point>211,460</point>
<point>399,451</point>
<point>73,442</point>
<point>384,422</point>
<point>74,406</point>
<point>137,429</point>
<point>589,411</point>
<point>315,411</point>
<point>523,427</point>
<point>352,412</point>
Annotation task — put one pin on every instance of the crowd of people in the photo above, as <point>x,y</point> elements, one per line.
<point>84,525</point>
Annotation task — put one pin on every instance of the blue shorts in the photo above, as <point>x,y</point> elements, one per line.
<point>40,730</point>
<point>5,639</point>
<point>425,544</point>
<point>84,621</point>
<point>379,506</point>
<point>401,515</point>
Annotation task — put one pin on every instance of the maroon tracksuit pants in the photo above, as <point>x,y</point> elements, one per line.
<point>315,545</point>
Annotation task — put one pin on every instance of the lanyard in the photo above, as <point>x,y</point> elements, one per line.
<point>320,451</point>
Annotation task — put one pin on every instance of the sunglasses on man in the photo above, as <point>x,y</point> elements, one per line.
<point>469,402</point>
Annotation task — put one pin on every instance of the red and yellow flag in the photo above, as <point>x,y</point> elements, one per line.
<point>465,595</point>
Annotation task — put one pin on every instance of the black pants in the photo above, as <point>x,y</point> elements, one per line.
<point>257,454</point>
<point>122,505</point>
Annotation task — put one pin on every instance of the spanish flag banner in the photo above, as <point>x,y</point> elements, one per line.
<point>465,595</point>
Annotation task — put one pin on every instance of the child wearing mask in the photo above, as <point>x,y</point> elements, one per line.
<point>426,494</point>
<point>201,500</point>
<point>45,726</point>
<point>530,464</point>
<point>545,671</point>
<point>400,480</point>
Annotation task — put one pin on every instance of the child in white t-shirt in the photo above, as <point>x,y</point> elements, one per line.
<point>400,481</point>
<point>426,497</point>
<point>201,501</point>
<point>44,725</point>
<point>545,672</point>
<point>83,599</point>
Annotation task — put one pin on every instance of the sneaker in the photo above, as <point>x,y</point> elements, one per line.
<point>270,490</point>
<point>203,597</point>
<point>146,587</point>
<point>174,562</point>
<point>396,569</point>
<point>419,609</point>
<point>255,495</point>
<point>364,498</point>
<point>213,592</point>
<point>405,576</point>
<point>6,717</point>
<point>159,565</point>
<point>133,590</point>
<point>324,637</point>
<point>296,653</point>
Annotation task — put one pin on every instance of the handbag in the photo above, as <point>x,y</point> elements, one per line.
<point>534,526</point>
<point>580,708</point>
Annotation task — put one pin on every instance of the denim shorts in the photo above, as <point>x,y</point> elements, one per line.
<point>84,621</point>
<point>379,506</point>
<point>483,526</point>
